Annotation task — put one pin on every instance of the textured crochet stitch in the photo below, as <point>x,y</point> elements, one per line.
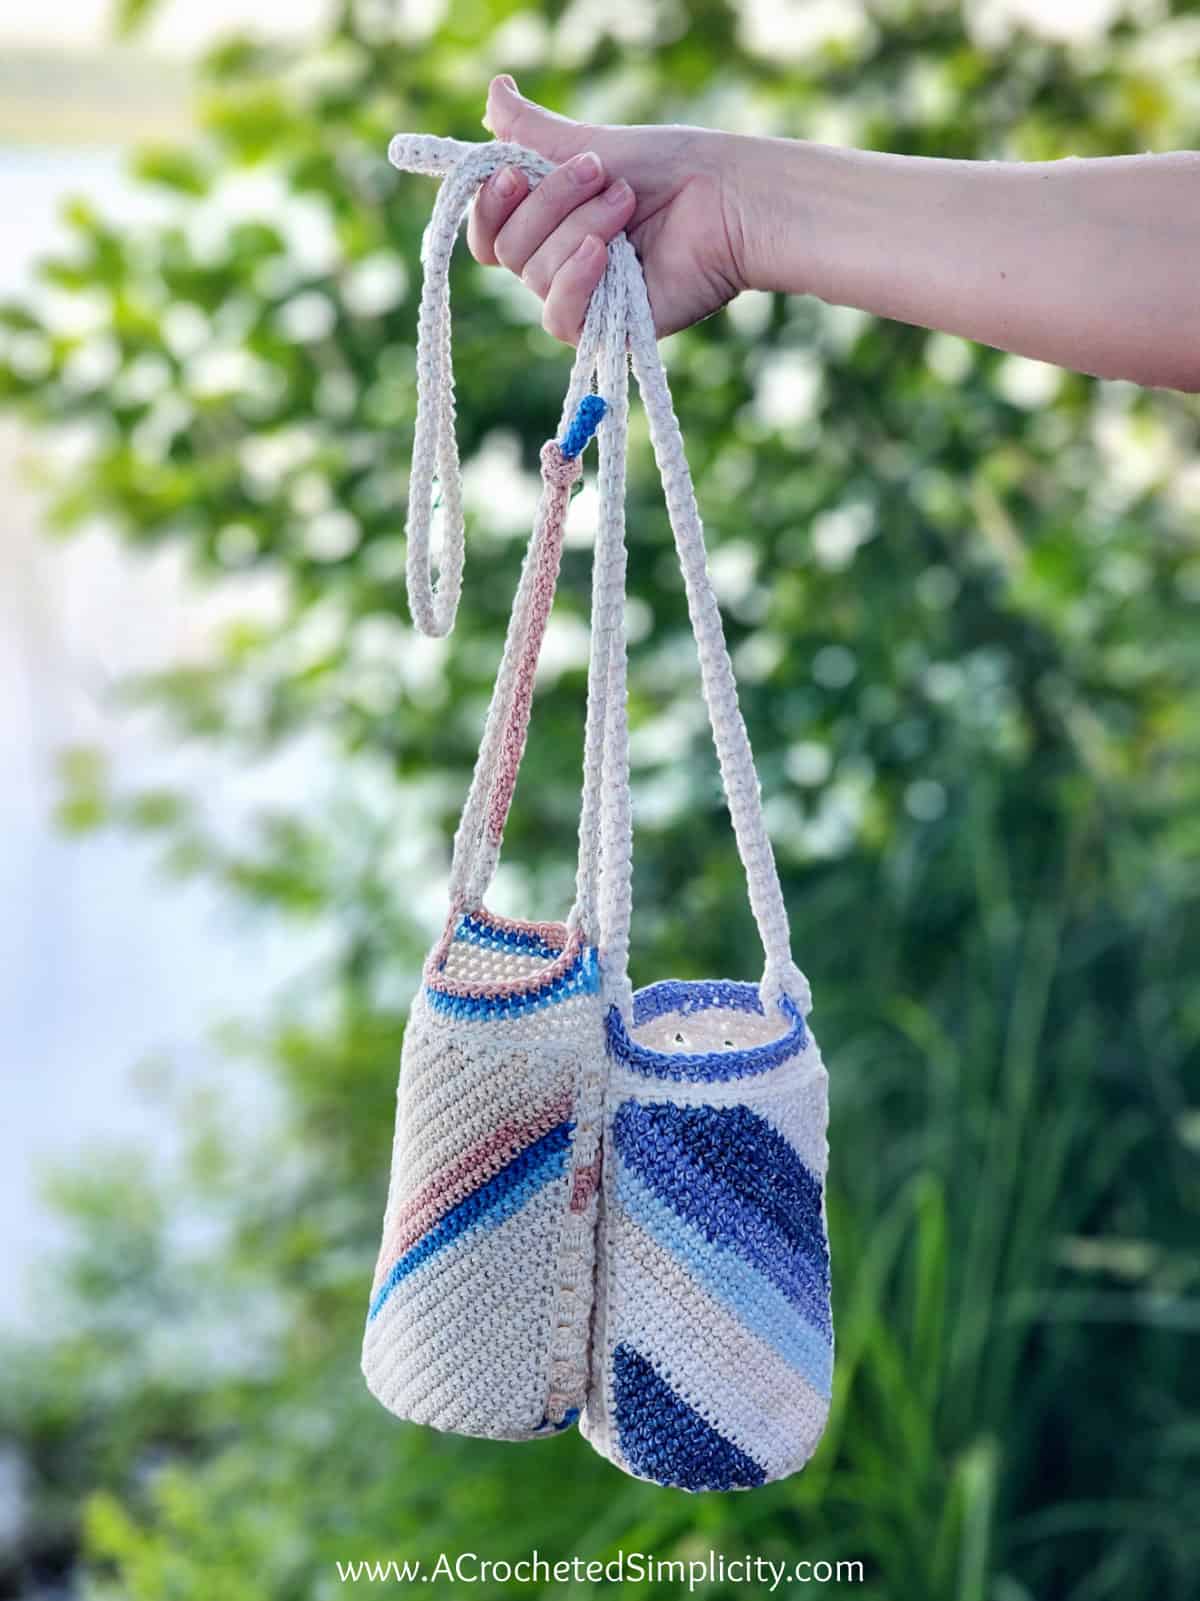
<point>606,1208</point>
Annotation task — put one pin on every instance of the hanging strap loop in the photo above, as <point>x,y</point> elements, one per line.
<point>436,474</point>
<point>619,324</point>
<point>435,447</point>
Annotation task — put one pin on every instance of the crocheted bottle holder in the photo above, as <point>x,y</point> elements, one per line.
<point>479,1311</point>
<point>605,1206</point>
<point>713,1346</point>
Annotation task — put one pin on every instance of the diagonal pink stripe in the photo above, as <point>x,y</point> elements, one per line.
<point>473,1168</point>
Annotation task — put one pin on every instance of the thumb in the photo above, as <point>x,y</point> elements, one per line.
<point>511,117</point>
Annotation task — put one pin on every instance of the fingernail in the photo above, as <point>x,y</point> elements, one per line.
<point>585,168</point>
<point>505,183</point>
<point>589,245</point>
<point>617,193</point>
<point>509,82</point>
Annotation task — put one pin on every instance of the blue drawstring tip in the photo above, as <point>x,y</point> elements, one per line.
<point>583,425</point>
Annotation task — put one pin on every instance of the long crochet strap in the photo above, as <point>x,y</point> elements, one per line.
<point>605,822</point>
<point>738,774</point>
<point>435,449</point>
<point>481,828</point>
<point>435,459</point>
<point>624,278</point>
<point>467,166</point>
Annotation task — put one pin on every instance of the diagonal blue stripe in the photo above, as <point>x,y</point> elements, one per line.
<point>749,1155</point>
<point>752,1298</point>
<point>504,1194</point>
<point>697,1167</point>
<point>664,1439</point>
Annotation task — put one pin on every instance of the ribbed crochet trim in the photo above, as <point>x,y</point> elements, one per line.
<point>500,934</point>
<point>682,997</point>
<point>568,955</point>
<point>518,928</point>
<point>574,970</point>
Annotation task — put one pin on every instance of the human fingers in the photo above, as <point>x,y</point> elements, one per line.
<point>604,216</point>
<point>536,218</point>
<point>567,301</point>
<point>494,203</point>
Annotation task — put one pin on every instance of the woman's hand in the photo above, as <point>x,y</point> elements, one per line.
<point>1088,263</point>
<point>672,189</point>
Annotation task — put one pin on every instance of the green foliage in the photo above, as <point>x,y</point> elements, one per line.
<point>962,612</point>
<point>130,15</point>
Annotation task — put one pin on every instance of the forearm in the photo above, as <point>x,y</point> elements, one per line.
<point>1091,264</point>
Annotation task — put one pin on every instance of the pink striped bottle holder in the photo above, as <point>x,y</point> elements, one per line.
<point>605,1206</point>
<point>479,1312</point>
<point>481,1304</point>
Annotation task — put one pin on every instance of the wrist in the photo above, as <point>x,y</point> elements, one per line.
<point>825,220</point>
<point>779,225</point>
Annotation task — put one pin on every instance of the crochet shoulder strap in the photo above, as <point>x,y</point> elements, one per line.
<point>619,324</point>
<point>435,476</point>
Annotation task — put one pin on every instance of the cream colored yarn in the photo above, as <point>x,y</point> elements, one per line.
<point>604,1205</point>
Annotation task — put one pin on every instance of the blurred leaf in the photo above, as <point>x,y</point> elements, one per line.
<point>129,16</point>
<point>172,168</point>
